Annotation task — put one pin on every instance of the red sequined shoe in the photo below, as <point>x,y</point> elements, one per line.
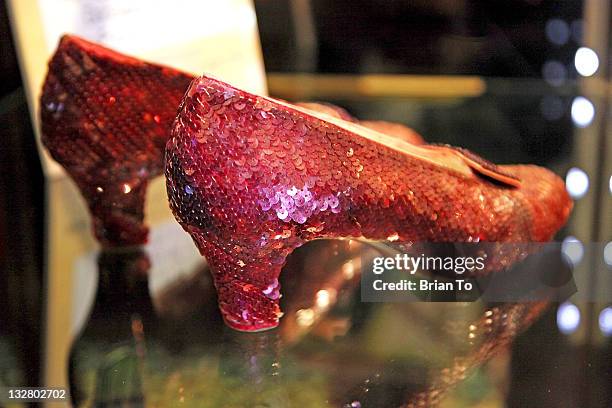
<point>252,178</point>
<point>106,119</point>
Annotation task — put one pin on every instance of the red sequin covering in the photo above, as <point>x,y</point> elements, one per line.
<point>251,179</point>
<point>106,119</point>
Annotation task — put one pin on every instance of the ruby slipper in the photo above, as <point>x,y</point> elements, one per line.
<point>252,178</point>
<point>105,118</point>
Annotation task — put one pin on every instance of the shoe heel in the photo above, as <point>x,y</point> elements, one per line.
<point>248,289</point>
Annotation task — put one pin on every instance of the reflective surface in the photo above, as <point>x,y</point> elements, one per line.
<point>330,349</point>
<point>333,350</point>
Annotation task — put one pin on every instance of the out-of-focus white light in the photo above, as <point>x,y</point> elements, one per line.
<point>607,254</point>
<point>586,61</point>
<point>323,298</point>
<point>583,111</point>
<point>348,270</point>
<point>557,31</point>
<point>554,73</point>
<point>576,182</point>
<point>605,321</point>
<point>305,317</point>
<point>568,318</point>
<point>610,185</point>
<point>573,249</point>
<point>551,107</point>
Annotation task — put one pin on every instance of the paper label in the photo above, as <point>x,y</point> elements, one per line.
<point>217,37</point>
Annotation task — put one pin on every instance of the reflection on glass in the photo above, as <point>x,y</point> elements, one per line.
<point>554,73</point>
<point>568,318</point>
<point>607,255</point>
<point>605,321</point>
<point>573,249</point>
<point>583,111</point>
<point>331,349</point>
<point>557,31</point>
<point>586,61</point>
<point>576,183</point>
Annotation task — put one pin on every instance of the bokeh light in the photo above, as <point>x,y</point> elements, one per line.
<point>573,249</point>
<point>557,31</point>
<point>323,299</point>
<point>554,73</point>
<point>576,183</point>
<point>568,318</point>
<point>586,61</point>
<point>576,29</point>
<point>607,254</point>
<point>605,321</point>
<point>583,111</point>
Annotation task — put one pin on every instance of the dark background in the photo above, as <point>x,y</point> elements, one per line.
<point>491,38</point>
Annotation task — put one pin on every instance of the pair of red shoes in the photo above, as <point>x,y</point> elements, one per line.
<point>251,178</point>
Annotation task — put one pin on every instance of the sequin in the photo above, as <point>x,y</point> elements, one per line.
<point>327,181</point>
<point>106,118</point>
